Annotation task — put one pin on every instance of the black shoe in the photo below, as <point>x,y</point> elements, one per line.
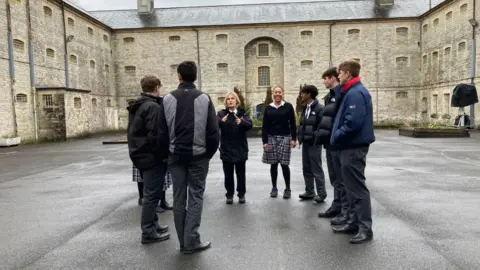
<point>229,200</point>
<point>287,193</point>
<point>274,193</point>
<point>346,229</point>
<point>140,201</point>
<point>166,206</point>
<point>319,199</point>
<point>307,196</point>
<point>242,200</point>
<point>198,248</point>
<point>161,228</point>
<point>329,213</point>
<point>160,209</point>
<point>155,238</point>
<point>339,220</point>
<point>362,237</point>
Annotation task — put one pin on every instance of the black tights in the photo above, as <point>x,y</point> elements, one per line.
<point>274,175</point>
<point>140,192</point>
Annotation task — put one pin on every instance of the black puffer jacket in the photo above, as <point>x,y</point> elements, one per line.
<point>306,130</point>
<point>324,131</point>
<point>146,140</point>
<point>233,137</point>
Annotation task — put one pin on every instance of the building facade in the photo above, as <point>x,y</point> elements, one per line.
<point>66,72</point>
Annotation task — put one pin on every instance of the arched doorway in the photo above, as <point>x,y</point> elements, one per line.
<point>264,69</point>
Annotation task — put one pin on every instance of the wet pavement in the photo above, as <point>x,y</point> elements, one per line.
<point>73,205</point>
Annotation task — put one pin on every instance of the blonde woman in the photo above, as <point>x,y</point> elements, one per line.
<point>234,123</point>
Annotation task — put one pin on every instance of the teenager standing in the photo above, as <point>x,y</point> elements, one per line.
<point>279,135</point>
<point>234,123</point>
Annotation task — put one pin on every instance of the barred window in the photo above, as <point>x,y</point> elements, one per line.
<point>463,8</point>
<point>306,63</point>
<point>90,31</point>
<point>47,101</point>
<point>47,11</point>
<point>449,15</point>
<point>131,70</point>
<point>174,38</point>
<point>264,76</point>
<point>19,45</point>
<point>71,22</point>
<point>353,33</point>
<point>462,46</point>
<point>401,94</point>
<point>401,61</point>
<point>73,59</point>
<point>222,67</point>
<point>448,51</point>
<point>222,38</point>
<point>77,103</point>
<point>306,34</point>
<point>263,49</point>
<point>425,28</point>
<point>94,102</point>
<point>128,40</point>
<point>402,31</point>
<point>50,53</point>
<point>21,98</point>
<point>105,38</point>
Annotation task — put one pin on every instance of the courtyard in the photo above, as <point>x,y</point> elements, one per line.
<point>73,205</point>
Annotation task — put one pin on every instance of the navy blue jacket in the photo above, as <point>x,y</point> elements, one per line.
<point>353,125</point>
<point>332,102</point>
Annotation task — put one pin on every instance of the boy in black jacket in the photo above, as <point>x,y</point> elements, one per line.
<point>145,141</point>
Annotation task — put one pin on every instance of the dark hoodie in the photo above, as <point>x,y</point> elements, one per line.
<point>146,140</point>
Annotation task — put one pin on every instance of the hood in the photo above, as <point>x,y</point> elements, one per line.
<point>143,98</point>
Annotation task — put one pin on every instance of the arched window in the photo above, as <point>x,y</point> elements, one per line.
<point>264,76</point>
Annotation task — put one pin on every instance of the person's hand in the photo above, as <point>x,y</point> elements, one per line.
<point>225,118</point>
<point>237,120</point>
<point>293,144</point>
<point>265,147</point>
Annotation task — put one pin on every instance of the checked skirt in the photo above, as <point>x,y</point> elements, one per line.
<point>278,151</point>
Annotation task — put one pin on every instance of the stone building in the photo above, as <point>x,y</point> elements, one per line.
<point>66,72</point>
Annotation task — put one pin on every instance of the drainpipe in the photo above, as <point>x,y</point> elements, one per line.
<point>473,57</point>
<point>67,73</point>
<point>12,68</point>
<point>198,60</point>
<point>376,69</point>
<point>32,71</point>
<point>330,33</point>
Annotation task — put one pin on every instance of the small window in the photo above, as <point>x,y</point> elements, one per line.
<point>50,53</point>
<point>401,61</point>
<point>436,22</point>
<point>21,98</point>
<point>71,22</point>
<point>107,68</point>
<point>425,59</point>
<point>92,64</point>
<point>401,94</point>
<point>222,38</point>
<point>222,67</point>
<point>353,31</point>
<point>435,56</point>
<point>90,31</point>
<point>425,28</point>
<point>264,76</point>
<point>73,59</point>
<point>306,34</point>
<point>462,46</point>
<point>47,101</point>
<point>463,8</point>
<point>19,45</point>
<point>77,103</point>
<point>449,15</point>
<point>105,38</point>
<point>174,38</point>
<point>263,49</point>
<point>47,11</point>
<point>94,102</point>
<point>306,63</point>
<point>402,31</point>
<point>130,70</point>
<point>128,40</point>
<point>109,103</point>
<point>447,51</point>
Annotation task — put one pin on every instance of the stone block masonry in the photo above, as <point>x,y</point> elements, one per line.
<point>410,65</point>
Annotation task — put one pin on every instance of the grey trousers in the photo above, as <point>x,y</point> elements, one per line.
<point>153,180</point>
<point>340,200</point>
<point>312,169</point>
<point>188,177</point>
<point>353,163</point>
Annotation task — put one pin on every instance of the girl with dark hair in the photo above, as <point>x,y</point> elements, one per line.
<point>279,136</point>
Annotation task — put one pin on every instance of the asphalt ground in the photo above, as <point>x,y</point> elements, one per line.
<point>73,205</point>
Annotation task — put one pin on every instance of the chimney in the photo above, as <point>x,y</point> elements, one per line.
<point>145,6</point>
<point>384,3</point>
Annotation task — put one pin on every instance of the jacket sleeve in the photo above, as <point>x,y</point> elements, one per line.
<point>246,122</point>
<point>293,123</point>
<point>219,118</point>
<point>213,134</point>
<point>157,133</point>
<point>354,113</point>
<point>265,126</point>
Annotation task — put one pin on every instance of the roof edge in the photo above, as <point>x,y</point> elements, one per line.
<point>436,8</point>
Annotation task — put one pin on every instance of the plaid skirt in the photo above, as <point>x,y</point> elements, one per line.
<point>137,178</point>
<point>279,150</point>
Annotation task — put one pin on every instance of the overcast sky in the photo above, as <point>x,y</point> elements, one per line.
<point>131,4</point>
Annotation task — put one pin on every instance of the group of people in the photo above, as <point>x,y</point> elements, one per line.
<point>171,140</point>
